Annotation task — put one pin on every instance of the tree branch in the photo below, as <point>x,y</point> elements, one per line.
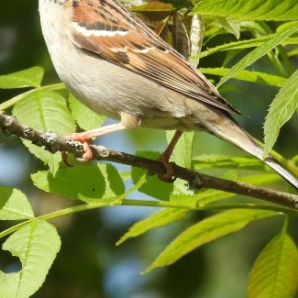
<point>52,142</point>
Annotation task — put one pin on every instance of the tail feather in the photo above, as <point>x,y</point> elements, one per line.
<point>273,164</point>
<point>230,131</point>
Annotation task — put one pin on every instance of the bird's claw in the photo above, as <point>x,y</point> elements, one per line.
<point>168,176</point>
<point>88,154</point>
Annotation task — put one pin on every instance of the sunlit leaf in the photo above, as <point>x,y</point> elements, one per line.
<point>281,110</point>
<point>14,205</point>
<point>182,156</point>
<point>248,76</point>
<point>156,220</point>
<point>153,186</point>
<point>37,245</point>
<point>275,271</point>
<point>260,51</point>
<point>202,198</point>
<point>224,161</point>
<point>230,26</point>
<point>14,100</point>
<point>205,231</point>
<point>85,182</point>
<point>85,118</point>
<point>249,9</point>
<point>45,111</point>
<point>292,52</point>
<point>31,77</point>
<point>243,44</point>
<point>182,153</point>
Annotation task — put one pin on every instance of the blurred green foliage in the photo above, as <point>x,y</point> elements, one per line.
<point>88,264</point>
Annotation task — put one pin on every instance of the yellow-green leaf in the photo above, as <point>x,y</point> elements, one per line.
<point>275,271</point>
<point>157,219</point>
<point>86,182</point>
<point>14,205</point>
<point>205,231</point>
<point>275,10</point>
<point>31,77</point>
<point>37,245</point>
<point>281,110</point>
<point>45,111</point>
<point>86,118</point>
<point>260,51</point>
<point>248,76</point>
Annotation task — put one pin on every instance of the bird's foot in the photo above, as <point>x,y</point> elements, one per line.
<point>165,157</point>
<point>83,138</point>
<point>169,174</point>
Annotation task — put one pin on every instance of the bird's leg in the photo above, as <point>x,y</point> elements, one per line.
<point>165,157</point>
<point>86,136</point>
<point>128,121</point>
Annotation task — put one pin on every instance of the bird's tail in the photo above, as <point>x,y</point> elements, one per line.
<point>227,129</point>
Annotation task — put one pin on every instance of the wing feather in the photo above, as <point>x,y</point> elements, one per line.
<point>108,29</point>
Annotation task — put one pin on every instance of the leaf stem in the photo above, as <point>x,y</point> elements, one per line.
<point>145,203</point>
<point>80,208</point>
<point>193,207</point>
<point>63,212</point>
<point>285,225</point>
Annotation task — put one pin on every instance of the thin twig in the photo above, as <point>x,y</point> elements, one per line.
<point>52,142</point>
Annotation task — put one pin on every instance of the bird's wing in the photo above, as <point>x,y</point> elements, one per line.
<point>107,29</point>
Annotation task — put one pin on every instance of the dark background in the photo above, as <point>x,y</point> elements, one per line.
<point>89,265</point>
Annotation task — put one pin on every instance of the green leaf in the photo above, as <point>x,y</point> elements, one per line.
<point>230,26</point>
<point>31,77</point>
<point>45,111</point>
<point>51,159</point>
<point>114,186</point>
<point>270,10</point>
<point>205,231</point>
<point>281,110</point>
<point>13,101</point>
<point>169,215</point>
<point>85,118</point>
<point>235,45</point>
<point>182,153</point>
<point>243,44</point>
<point>275,271</point>
<point>153,186</point>
<point>292,52</point>
<point>223,161</point>
<point>158,219</point>
<point>248,76</point>
<point>260,51</point>
<point>85,182</point>
<point>37,245</point>
<point>14,205</point>
<point>182,156</point>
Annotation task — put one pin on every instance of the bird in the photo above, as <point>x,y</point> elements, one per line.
<point>118,67</point>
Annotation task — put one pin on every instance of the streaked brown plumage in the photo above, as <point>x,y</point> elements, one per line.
<point>118,67</point>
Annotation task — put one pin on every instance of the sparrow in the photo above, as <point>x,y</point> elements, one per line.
<point>120,68</point>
